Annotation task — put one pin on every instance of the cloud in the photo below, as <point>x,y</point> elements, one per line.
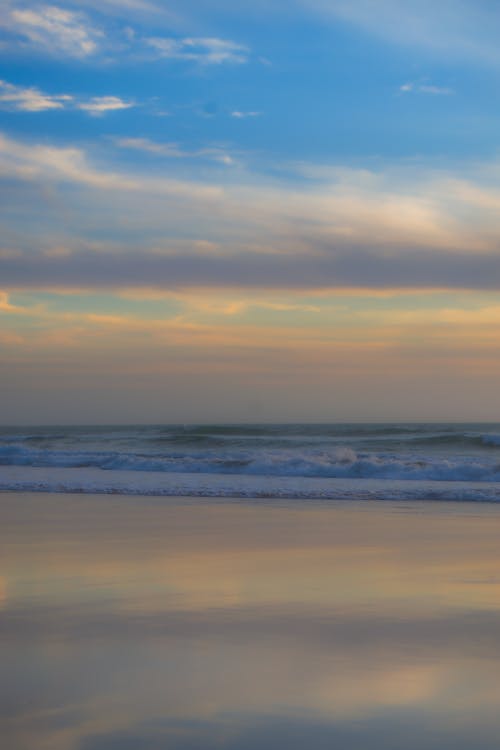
<point>54,30</point>
<point>337,266</point>
<point>70,165</point>
<point>239,115</point>
<point>295,727</point>
<point>458,29</point>
<point>98,105</point>
<point>5,305</point>
<point>393,229</point>
<point>30,99</point>
<point>422,88</point>
<point>173,150</point>
<point>152,147</point>
<point>204,50</point>
<point>121,7</point>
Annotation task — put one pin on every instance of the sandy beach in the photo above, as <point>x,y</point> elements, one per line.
<point>143,622</point>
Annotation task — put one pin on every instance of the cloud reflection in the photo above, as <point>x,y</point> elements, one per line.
<point>135,622</point>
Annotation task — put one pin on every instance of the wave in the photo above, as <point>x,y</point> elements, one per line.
<point>341,462</point>
<point>491,440</point>
<point>313,434</point>
<point>92,481</point>
<point>265,436</point>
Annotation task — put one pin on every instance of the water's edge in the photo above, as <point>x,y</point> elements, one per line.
<point>96,481</point>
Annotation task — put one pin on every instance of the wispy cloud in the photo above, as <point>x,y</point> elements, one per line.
<point>204,50</point>
<point>354,229</point>
<point>71,165</point>
<point>99,105</point>
<point>425,88</point>
<point>152,147</point>
<point>173,150</point>
<point>460,29</point>
<point>54,30</point>
<point>31,99</point>
<point>57,31</point>
<point>241,115</point>
<point>125,7</point>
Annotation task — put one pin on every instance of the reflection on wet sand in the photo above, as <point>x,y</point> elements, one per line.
<point>144,623</point>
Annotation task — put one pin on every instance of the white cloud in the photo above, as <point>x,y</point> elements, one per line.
<point>98,105</point>
<point>423,88</point>
<point>205,50</point>
<point>30,99</point>
<point>239,115</point>
<point>55,30</point>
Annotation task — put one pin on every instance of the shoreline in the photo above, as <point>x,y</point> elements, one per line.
<point>175,484</point>
<point>420,507</point>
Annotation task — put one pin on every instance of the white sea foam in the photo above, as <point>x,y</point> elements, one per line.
<point>335,464</point>
<point>271,460</point>
<point>85,480</point>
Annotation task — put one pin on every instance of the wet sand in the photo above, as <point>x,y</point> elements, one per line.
<point>147,623</point>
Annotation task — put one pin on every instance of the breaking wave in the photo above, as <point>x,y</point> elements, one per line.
<point>358,453</point>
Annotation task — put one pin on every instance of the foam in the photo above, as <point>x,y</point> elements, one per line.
<point>95,481</point>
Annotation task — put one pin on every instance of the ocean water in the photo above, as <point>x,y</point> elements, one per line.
<point>337,461</point>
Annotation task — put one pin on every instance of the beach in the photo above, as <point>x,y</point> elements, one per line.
<point>249,375</point>
<point>163,622</point>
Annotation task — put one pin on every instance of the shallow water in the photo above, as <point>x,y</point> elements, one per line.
<point>151,623</point>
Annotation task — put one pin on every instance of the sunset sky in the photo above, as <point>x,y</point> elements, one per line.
<point>249,211</point>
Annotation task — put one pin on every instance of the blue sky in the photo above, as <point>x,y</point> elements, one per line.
<point>309,187</point>
<point>307,84</point>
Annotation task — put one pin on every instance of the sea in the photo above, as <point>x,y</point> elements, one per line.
<point>414,461</point>
<point>250,587</point>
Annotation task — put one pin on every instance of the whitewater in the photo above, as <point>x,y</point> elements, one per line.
<point>325,461</point>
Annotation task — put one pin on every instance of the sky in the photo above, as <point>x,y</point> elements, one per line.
<point>252,211</point>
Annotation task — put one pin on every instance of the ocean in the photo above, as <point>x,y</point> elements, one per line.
<point>303,461</point>
<point>293,588</point>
